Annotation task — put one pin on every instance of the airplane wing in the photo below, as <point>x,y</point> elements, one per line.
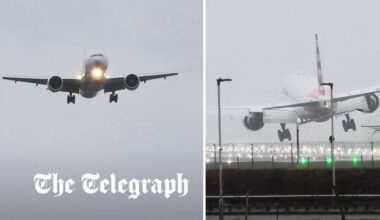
<point>69,85</point>
<point>28,80</point>
<point>336,99</point>
<point>117,83</point>
<point>157,76</point>
<point>283,113</point>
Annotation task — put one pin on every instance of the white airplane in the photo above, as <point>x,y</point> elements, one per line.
<point>92,81</point>
<point>311,102</point>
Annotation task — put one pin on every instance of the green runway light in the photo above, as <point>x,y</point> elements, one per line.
<point>303,161</point>
<point>354,160</point>
<point>328,160</point>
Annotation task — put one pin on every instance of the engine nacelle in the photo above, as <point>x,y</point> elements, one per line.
<point>132,82</point>
<point>254,121</point>
<point>55,83</point>
<point>372,103</point>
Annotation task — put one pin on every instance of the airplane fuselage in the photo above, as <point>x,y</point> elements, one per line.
<point>300,87</point>
<point>89,87</point>
<point>92,81</point>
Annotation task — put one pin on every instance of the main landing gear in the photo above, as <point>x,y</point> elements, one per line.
<point>349,123</point>
<point>113,97</point>
<point>284,133</point>
<point>70,99</point>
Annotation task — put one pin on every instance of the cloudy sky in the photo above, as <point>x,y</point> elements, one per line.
<point>155,131</point>
<point>259,43</point>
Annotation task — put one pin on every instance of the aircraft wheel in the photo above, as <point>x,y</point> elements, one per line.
<point>280,135</point>
<point>71,99</point>
<point>353,124</point>
<point>288,135</point>
<point>344,124</point>
<point>113,98</point>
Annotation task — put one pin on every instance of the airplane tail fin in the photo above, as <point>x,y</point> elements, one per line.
<point>319,67</point>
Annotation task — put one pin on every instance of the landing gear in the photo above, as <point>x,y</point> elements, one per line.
<point>70,99</point>
<point>113,97</point>
<point>284,133</point>
<point>349,123</point>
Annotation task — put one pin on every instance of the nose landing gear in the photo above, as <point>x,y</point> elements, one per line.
<point>349,123</point>
<point>70,99</point>
<point>284,133</point>
<point>113,97</point>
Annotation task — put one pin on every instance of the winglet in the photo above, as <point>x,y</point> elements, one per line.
<point>319,67</point>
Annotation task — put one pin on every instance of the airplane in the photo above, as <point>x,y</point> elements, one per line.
<point>92,81</point>
<point>311,102</point>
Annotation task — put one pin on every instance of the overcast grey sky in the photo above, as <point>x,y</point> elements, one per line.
<point>155,131</point>
<point>258,43</point>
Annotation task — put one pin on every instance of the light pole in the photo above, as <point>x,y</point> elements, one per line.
<point>332,138</point>
<point>218,81</point>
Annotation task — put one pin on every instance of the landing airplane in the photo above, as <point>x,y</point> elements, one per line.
<point>311,103</point>
<point>92,81</point>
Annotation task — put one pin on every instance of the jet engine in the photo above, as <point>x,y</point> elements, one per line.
<point>254,121</point>
<point>132,81</point>
<point>372,103</point>
<point>55,83</point>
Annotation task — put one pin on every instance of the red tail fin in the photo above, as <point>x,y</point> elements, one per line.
<point>319,67</point>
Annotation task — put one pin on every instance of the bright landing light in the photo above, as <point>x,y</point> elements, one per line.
<point>97,73</point>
